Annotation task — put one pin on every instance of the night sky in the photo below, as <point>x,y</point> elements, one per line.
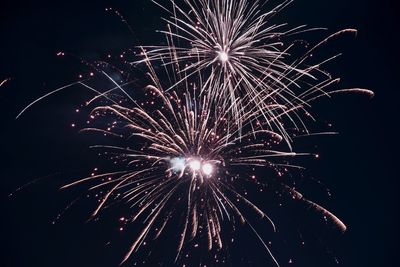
<point>359,165</point>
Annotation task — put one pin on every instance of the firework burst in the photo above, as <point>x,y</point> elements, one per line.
<point>227,102</point>
<point>184,144</point>
<point>182,159</point>
<point>245,57</point>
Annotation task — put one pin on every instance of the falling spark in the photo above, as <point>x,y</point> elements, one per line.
<point>4,82</point>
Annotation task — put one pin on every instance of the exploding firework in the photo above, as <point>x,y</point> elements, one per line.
<point>186,161</point>
<point>229,92</point>
<point>184,144</point>
<point>246,58</point>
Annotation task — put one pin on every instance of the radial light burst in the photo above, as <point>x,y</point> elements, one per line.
<point>224,96</point>
<point>184,144</point>
<point>246,56</point>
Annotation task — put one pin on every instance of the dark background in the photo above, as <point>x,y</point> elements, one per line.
<point>359,165</point>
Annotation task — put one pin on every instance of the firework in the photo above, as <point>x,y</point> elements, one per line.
<point>184,144</point>
<point>227,102</point>
<point>186,155</point>
<point>249,64</point>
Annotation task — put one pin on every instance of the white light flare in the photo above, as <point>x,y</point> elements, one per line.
<point>177,165</point>
<point>195,165</point>
<point>207,169</point>
<point>223,56</point>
